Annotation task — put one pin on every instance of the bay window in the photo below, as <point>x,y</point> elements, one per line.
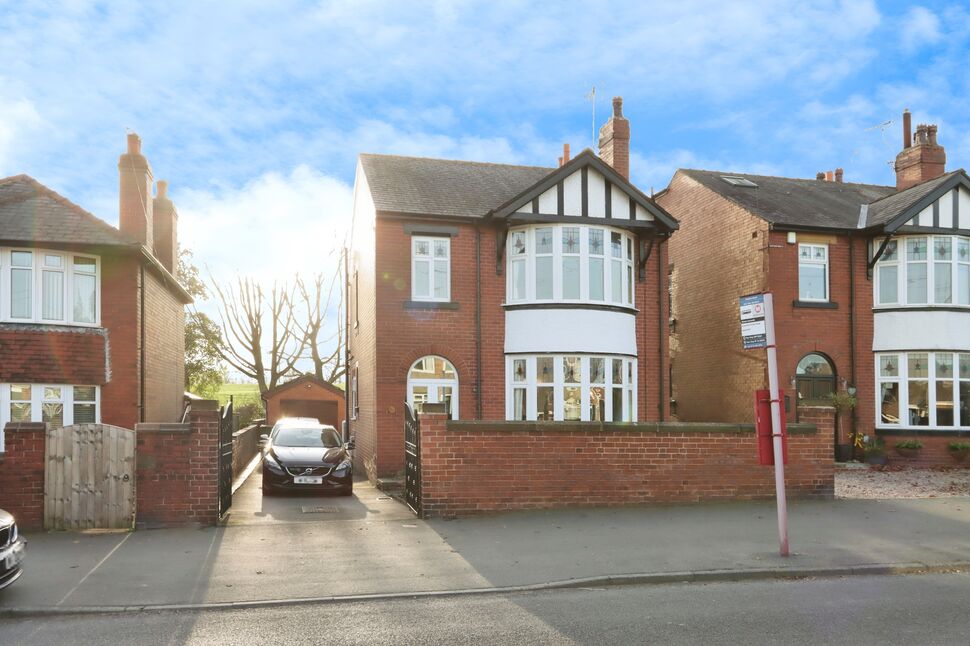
<point>571,387</point>
<point>54,404</point>
<point>571,264</point>
<point>924,270</point>
<point>40,286</point>
<point>923,389</point>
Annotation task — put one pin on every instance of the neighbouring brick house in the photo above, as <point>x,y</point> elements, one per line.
<point>91,317</point>
<point>871,287</point>
<point>504,293</point>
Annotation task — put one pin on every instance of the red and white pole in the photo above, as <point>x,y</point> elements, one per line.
<point>776,424</point>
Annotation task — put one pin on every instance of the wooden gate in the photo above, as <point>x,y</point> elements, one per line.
<point>412,461</point>
<point>89,477</point>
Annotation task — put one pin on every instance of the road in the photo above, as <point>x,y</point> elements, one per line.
<point>919,609</point>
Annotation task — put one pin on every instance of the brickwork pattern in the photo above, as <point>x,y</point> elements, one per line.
<point>933,454</point>
<point>120,397</point>
<point>65,356</point>
<point>164,352</point>
<point>490,468</point>
<point>22,473</point>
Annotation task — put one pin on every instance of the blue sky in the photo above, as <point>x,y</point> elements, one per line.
<point>255,111</point>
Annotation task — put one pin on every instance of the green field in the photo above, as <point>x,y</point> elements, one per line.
<point>241,393</point>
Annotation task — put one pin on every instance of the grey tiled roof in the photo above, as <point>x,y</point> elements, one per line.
<point>886,209</point>
<point>444,187</point>
<point>796,202</point>
<point>29,211</point>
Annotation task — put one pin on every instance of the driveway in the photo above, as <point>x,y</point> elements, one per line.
<point>250,506</point>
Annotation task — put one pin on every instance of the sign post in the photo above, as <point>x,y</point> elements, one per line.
<point>758,331</point>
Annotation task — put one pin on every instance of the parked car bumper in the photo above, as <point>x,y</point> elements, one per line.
<point>11,559</point>
<point>277,482</point>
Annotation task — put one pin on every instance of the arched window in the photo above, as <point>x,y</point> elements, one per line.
<point>814,377</point>
<point>433,380</point>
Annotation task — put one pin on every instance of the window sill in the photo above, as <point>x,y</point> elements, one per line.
<point>817,305</point>
<point>430,305</point>
<point>922,308</point>
<point>922,430</point>
<point>566,305</point>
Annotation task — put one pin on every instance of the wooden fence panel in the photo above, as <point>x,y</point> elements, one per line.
<point>90,477</point>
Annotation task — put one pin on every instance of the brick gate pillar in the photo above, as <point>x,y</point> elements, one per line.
<point>22,467</point>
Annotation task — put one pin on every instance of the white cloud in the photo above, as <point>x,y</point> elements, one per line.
<point>270,228</point>
<point>19,119</point>
<point>920,27</point>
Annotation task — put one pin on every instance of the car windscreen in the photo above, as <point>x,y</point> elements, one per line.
<point>307,437</point>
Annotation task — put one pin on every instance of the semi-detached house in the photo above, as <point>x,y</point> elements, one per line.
<point>504,293</point>
<point>871,288</point>
<point>91,316</point>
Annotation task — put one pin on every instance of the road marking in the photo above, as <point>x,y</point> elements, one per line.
<point>85,578</point>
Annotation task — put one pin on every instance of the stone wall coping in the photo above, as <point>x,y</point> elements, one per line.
<point>249,429</point>
<point>619,427</point>
<point>150,427</point>
<point>204,404</point>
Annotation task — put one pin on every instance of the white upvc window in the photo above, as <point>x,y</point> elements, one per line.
<point>55,404</point>
<point>46,286</point>
<point>923,390</point>
<point>924,270</point>
<point>813,272</point>
<point>571,387</point>
<point>570,263</point>
<point>430,268</point>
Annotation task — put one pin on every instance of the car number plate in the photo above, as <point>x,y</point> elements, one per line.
<point>307,479</point>
<point>14,558</point>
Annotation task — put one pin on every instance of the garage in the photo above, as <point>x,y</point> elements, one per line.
<point>306,396</point>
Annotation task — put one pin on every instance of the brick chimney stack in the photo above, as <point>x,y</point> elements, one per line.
<point>615,140</point>
<point>839,173</point>
<point>922,158</point>
<point>165,228</point>
<point>135,194</point>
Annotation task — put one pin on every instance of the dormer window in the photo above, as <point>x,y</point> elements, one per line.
<point>567,263</point>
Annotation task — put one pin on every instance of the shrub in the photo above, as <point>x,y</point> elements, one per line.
<point>959,446</point>
<point>909,444</point>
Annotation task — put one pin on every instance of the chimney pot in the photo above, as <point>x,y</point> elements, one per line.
<point>820,176</point>
<point>838,175</point>
<point>162,188</point>
<point>565,153</point>
<point>560,161</point>
<point>618,106</point>
<point>907,129</point>
<point>829,176</point>
<point>931,134</point>
<point>134,144</point>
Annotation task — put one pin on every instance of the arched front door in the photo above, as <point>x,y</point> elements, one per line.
<point>814,378</point>
<point>433,380</point>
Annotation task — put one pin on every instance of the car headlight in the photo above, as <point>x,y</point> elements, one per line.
<point>13,533</point>
<point>343,468</point>
<point>270,462</point>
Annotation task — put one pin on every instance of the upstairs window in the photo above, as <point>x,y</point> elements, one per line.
<point>40,286</point>
<point>430,268</point>
<point>813,272</point>
<point>924,270</point>
<point>574,264</point>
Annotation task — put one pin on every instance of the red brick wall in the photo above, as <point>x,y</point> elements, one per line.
<point>178,468</point>
<point>120,397</point>
<point>33,354</point>
<point>164,352</point>
<point>718,255</point>
<point>933,454</point>
<point>474,468</point>
<point>22,473</point>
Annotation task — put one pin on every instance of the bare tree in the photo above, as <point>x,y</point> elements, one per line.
<point>325,350</point>
<point>244,310</point>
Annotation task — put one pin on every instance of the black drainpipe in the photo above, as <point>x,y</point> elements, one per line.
<point>141,362</point>
<point>660,329</point>
<point>478,322</point>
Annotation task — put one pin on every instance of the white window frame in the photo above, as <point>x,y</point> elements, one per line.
<point>38,268</point>
<point>435,383</point>
<point>354,394</point>
<point>902,378</point>
<point>628,385</point>
<point>903,264</point>
<point>37,402</point>
<point>812,246</point>
<point>627,271</point>
<point>430,260</point>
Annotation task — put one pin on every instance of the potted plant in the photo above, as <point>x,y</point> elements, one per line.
<point>908,448</point>
<point>874,449</point>
<point>959,451</point>
<point>843,401</point>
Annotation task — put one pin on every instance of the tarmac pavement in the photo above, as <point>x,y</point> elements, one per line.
<point>284,548</point>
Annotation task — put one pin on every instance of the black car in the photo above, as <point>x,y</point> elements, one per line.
<point>12,549</point>
<point>307,457</point>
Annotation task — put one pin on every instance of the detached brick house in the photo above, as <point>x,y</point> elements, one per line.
<point>871,287</point>
<point>91,317</point>
<point>504,293</point>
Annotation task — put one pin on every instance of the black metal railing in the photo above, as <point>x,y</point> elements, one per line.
<point>412,460</point>
<point>226,429</point>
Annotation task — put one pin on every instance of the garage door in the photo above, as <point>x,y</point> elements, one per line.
<point>324,411</point>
